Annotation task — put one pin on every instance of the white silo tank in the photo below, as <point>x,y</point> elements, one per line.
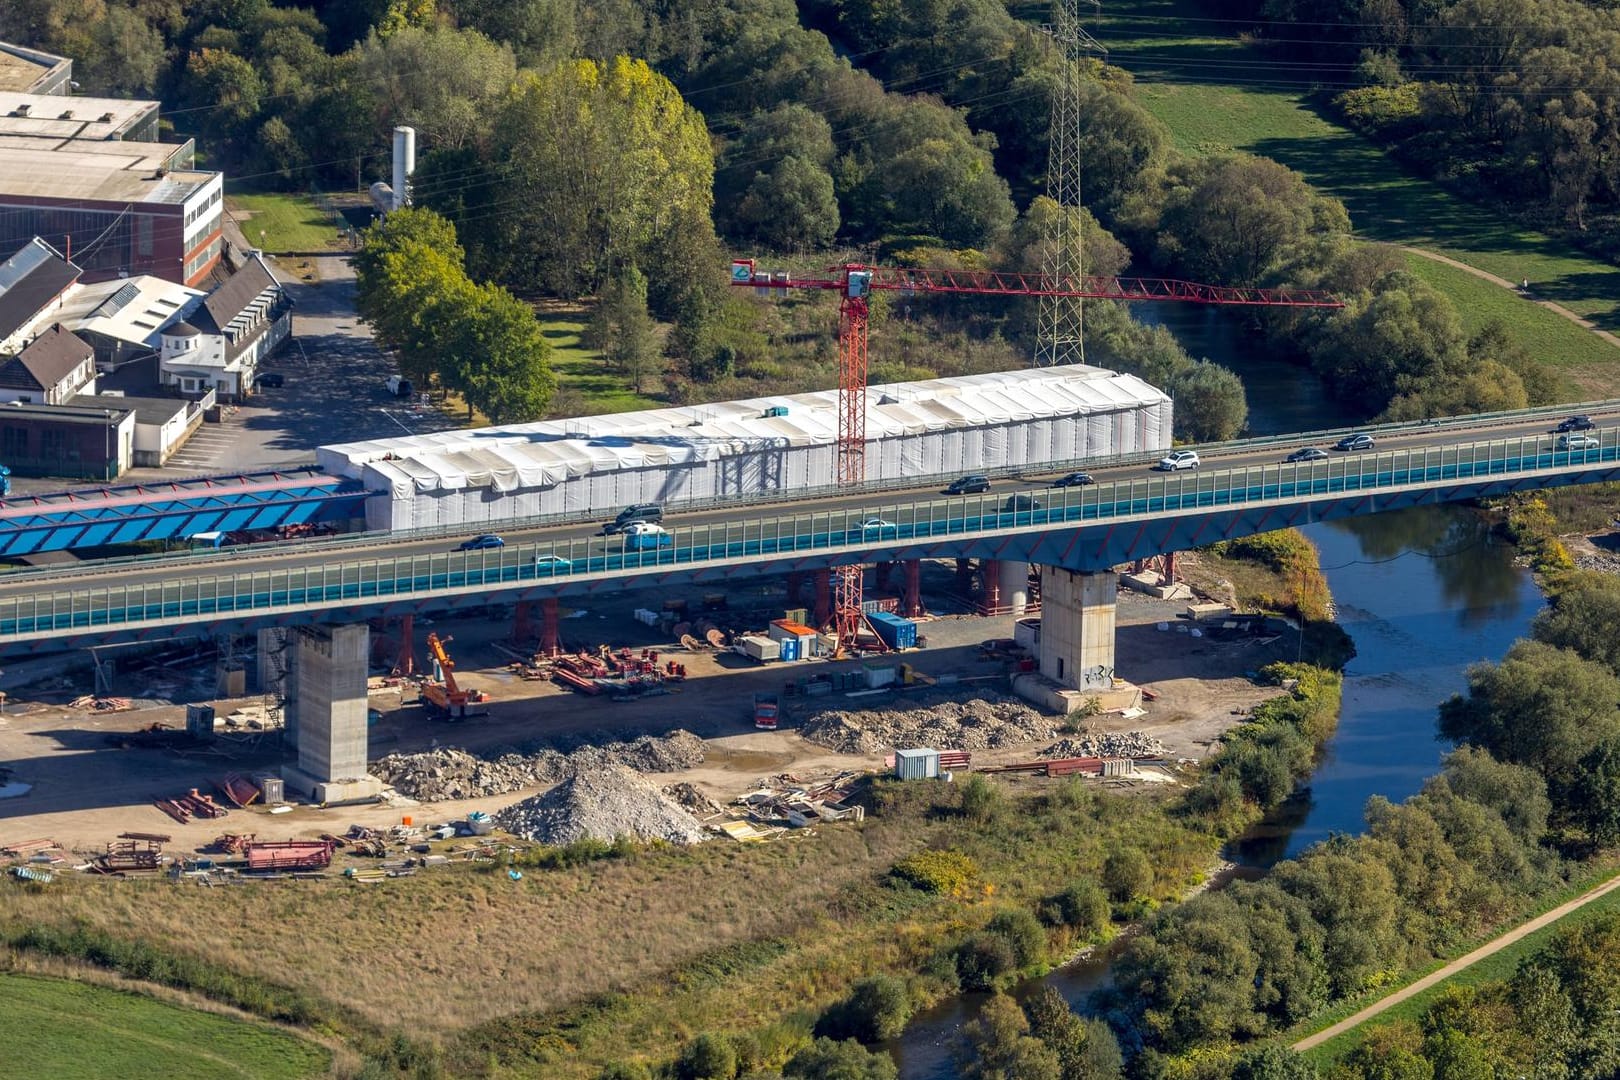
<point>404,164</point>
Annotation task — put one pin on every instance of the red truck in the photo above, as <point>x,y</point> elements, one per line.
<point>765,711</point>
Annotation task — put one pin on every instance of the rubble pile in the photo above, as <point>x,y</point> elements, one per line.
<point>602,802</point>
<point>1109,744</point>
<point>692,799</point>
<point>944,724</point>
<point>448,773</point>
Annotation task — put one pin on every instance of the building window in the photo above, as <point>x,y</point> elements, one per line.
<point>143,234</point>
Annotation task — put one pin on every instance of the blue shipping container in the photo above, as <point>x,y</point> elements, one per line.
<point>897,633</point>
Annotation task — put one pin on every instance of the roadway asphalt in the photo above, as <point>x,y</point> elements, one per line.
<point>323,553</point>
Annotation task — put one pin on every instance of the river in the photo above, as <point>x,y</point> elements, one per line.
<point>1424,593</point>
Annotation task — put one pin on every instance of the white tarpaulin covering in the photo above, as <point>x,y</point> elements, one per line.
<point>592,465</point>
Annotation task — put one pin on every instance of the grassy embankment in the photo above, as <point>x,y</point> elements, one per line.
<point>60,1028</point>
<point>1217,93</point>
<point>1494,968</point>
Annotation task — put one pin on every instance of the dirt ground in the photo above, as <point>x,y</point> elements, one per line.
<point>84,792</point>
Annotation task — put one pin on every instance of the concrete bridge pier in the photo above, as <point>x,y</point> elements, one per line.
<point>822,607</point>
<point>331,664</point>
<point>1013,577</point>
<point>1077,627</point>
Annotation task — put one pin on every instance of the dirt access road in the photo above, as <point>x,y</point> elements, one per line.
<point>1495,945</point>
<point>84,791</point>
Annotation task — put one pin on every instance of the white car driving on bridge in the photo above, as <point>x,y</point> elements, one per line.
<point>1177,460</point>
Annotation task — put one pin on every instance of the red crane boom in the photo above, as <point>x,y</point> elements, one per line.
<point>855,281</point>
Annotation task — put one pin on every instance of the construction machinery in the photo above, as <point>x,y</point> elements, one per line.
<point>440,694</point>
<point>765,711</point>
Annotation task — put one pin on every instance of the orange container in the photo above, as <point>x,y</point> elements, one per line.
<point>406,820</point>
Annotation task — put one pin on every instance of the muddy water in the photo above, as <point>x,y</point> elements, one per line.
<point>1424,593</point>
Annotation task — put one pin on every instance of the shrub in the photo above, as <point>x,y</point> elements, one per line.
<point>876,1009</point>
<point>948,873</point>
<point>982,959</point>
<point>1082,907</point>
<point>1022,931</point>
<point>1126,874</point>
<point>626,1070</point>
<point>829,1060</point>
<point>981,799</point>
<point>707,1057</point>
<point>1378,109</point>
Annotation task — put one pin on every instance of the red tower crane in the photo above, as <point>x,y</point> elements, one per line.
<point>854,282</point>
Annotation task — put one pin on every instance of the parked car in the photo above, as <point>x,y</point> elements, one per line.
<point>1575,423</point>
<point>1074,479</point>
<point>646,535</point>
<point>272,379</point>
<point>1020,504</point>
<point>647,512</point>
<point>1306,453</point>
<point>1355,442</point>
<point>873,525</point>
<point>546,565</point>
<point>968,485</point>
<point>480,543</point>
<point>400,386</point>
<point>1578,442</point>
<point>1176,460</point>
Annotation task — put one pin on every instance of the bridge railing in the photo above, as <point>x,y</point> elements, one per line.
<point>891,531</point>
<point>183,560</point>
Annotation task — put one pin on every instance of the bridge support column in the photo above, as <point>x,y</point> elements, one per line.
<point>550,639</point>
<point>795,586</point>
<point>1077,627</point>
<point>881,573</point>
<point>911,590</point>
<point>521,630</point>
<point>823,609</point>
<point>406,664</point>
<point>1013,577</point>
<point>332,663</point>
<point>274,661</point>
<point>964,577</point>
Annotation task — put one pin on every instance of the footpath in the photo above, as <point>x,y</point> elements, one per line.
<point>1485,275</point>
<point>1495,945</point>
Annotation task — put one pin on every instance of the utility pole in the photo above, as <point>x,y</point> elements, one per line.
<point>1059,337</point>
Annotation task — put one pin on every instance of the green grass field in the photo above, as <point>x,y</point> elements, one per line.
<point>587,385</point>
<point>287,222</point>
<point>1493,968</point>
<point>59,1028</point>
<point>1216,93</point>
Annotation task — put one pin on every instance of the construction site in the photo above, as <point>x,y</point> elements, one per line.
<point>714,716</point>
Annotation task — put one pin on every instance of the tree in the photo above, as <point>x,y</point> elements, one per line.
<point>621,329</point>
<point>790,208</point>
<point>1595,793</point>
<point>1584,617</point>
<point>447,84</point>
<point>1541,706</point>
<point>1021,930</point>
<point>1517,793</point>
<point>707,1057</point>
<point>825,1059</point>
<point>877,1009</point>
<point>391,234</point>
<point>981,960</point>
<point>1210,405</point>
<point>1403,338</point>
<point>539,31</point>
<point>129,51</point>
<point>1127,874</point>
<point>417,305</point>
<point>1352,896</point>
<point>1086,1049</point>
<point>1390,1052</point>
<point>1272,1062</point>
<point>498,358</point>
<point>997,1045</point>
<point>1081,907</point>
<point>1191,980</point>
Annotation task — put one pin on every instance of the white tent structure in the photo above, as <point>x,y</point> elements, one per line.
<point>592,465</point>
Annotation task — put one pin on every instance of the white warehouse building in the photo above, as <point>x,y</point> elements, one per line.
<point>592,465</point>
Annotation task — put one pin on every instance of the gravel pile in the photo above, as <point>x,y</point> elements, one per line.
<point>1131,744</point>
<point>977,724</point>
<point>602,802</point>
<point>456,774</point>
<point>693,799</point>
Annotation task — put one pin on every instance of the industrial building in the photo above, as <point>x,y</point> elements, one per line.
<point>30,71</point>
<point>94,440</point>
<point>56,117</point>
<point>591,464</point>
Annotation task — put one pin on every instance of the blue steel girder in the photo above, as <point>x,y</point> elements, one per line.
<point>1084,529</point>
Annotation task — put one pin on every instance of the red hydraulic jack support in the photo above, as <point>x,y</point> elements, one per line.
<point>911,590</point>
<point>823,598</point>
<point>992,589</point>
<point>522,631</point>
<point>1169,567</point>
<point>406,664</point>
<point>550,644</point>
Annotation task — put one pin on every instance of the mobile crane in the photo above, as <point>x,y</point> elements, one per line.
<point>440,694</point>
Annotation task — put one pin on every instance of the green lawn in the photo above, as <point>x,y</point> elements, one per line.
<point>76,1031</point>
<point>287,222</point>
<point>1209,91</point>
<point>583,372</point>
<point>1494,968</point>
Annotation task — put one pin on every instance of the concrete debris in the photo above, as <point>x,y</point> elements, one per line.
<point>1108,744</point>
<point>602,802</point>
<point>692,799</point>
<point>977,724</point>
<point>446,773</point>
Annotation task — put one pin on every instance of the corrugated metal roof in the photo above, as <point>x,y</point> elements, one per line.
<point>544,453</point>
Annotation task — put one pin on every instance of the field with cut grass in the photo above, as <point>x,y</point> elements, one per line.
<point>1218,93</point>
<point>586,384</point>
<point>57,1028</point>
<point>287,222</point>
<point>1497,967</point>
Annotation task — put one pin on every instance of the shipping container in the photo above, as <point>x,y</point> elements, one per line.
<point>272,790</point>
<point>897,633</point>
<point>1027,632</point>
<point>879,676</point>
<point>919,764</point>
<point>759,648</point>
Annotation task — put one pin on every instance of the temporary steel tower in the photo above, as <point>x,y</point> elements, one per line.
<point>854,282</point>
<point>1058,337</point>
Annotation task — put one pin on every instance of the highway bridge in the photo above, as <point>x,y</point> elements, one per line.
<point>1241,488</point>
